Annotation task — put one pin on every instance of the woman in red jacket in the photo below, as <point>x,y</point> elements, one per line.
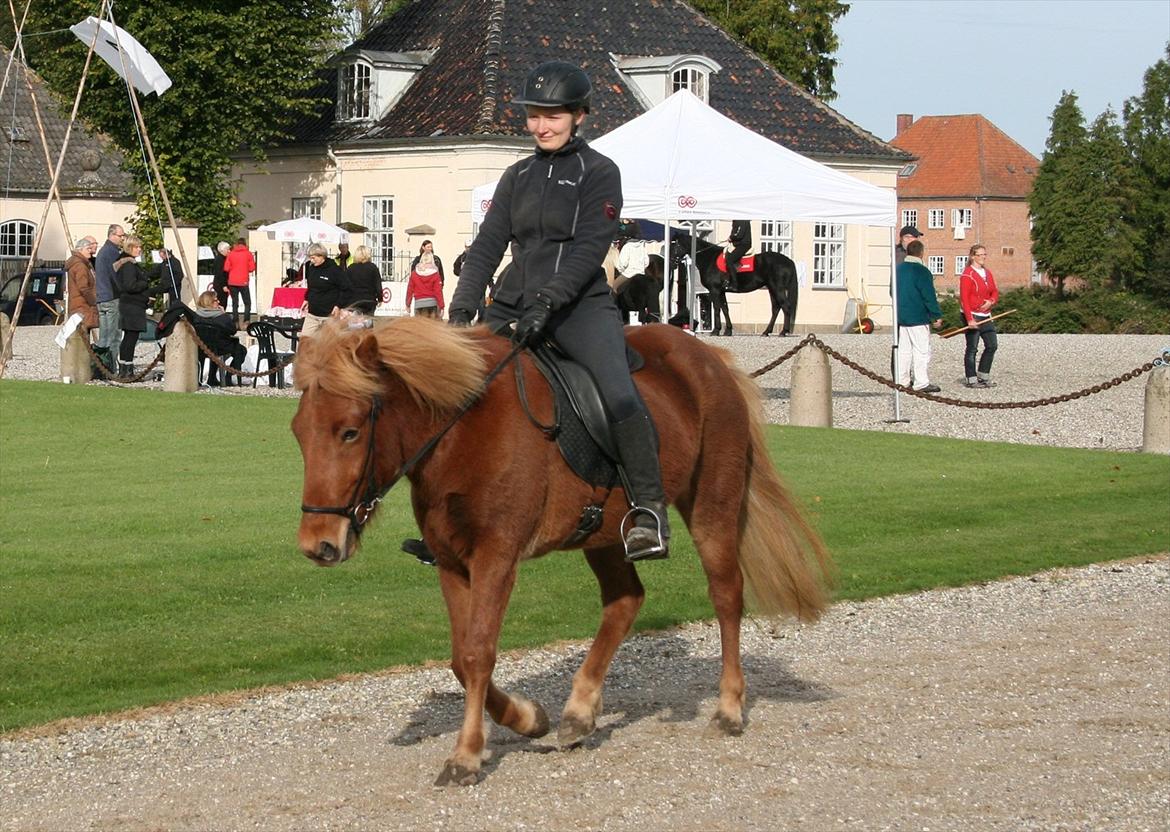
<point>239,265</point>
<point>425,288</point>
<point>978,296</point>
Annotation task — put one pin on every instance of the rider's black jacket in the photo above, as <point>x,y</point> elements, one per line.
<point>559,212</point>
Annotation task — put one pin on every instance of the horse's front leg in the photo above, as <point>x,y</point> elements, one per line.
<point>621,598</point>
<point>475,606</point>
<point>726,313</point>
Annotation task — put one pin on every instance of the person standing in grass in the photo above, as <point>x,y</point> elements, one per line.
<point>978,296</point>
<point>918,311</point>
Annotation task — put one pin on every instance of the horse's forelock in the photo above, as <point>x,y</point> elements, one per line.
<point>439,365</point>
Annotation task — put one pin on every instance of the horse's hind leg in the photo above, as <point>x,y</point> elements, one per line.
<point>621,598</point>
<point>713,520</point>
<point>475,619</point>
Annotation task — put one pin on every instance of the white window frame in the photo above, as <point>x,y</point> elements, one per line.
<point>692,78</point>
<point>910,217</point>
<point>937,263</point>
<point>961,263</point>
<point>776,235</point>
<point>378,218</point>
<point>936,218</point>
<point>961,217</point>
<point>307,206</point>
<point>828,255</point>
<point>355,91</point>
<point>16,238</point>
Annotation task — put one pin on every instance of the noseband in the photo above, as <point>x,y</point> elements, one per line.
<point>366,493</point>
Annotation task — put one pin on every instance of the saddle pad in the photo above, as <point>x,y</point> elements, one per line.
<point>746,264</point>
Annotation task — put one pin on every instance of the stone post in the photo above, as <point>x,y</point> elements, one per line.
<point>181,374</point>
<point>811,401</point>
<point>1156,435</point>
<point>75,362</point>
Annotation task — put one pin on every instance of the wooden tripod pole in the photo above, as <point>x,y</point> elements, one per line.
<point>6,351</point>
<point>188,273</point>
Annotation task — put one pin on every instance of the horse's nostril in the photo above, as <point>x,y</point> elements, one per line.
<point>327,552</point>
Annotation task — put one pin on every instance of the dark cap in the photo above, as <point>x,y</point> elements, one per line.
<point>911,230</point>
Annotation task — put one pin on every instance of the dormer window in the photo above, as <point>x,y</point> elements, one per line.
<point>353,94</point>
<point>369,83</point>
<point>653,79</point>
<point>690,78</point>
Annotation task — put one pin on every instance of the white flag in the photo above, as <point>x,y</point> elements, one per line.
<point>145,73</point>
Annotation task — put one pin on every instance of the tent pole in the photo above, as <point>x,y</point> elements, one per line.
<point>897,339</point>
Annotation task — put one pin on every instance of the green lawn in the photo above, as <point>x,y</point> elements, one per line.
<point>147,545</point>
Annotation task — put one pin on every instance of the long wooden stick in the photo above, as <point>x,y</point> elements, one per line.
<point>964,328</point>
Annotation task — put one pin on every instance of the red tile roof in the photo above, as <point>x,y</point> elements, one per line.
<point>964,155</point>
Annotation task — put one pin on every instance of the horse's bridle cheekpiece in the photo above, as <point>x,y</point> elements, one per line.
<point>366,493</point>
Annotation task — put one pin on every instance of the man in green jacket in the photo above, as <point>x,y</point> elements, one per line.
<point>918,311</point>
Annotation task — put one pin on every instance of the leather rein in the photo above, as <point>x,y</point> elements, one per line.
<point>366,491</point>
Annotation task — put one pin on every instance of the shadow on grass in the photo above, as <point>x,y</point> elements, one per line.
<point>673,687</point>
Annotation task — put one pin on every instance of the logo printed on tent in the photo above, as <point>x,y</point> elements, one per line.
<point>687,202</point>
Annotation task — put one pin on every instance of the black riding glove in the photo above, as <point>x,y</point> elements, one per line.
<point>532,323</point>
<point>459,317</point>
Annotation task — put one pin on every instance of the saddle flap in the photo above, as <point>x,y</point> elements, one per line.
<point>582,394</point>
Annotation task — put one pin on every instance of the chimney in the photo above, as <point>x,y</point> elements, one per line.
<point>904,121</point>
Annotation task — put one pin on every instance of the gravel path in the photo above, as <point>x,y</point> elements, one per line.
<point>1031,703</point>
<point>1026,367</point>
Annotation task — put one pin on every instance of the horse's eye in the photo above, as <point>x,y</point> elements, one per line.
<point>349,435</point>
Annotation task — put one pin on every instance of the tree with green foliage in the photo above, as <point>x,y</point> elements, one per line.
<point>794,36</point>
<point>1060,227</point>
<point>1111,195</point>
<point>243,72</point>
<point>1147,137</point>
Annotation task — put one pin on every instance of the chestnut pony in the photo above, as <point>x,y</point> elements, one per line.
<point>494,491</point>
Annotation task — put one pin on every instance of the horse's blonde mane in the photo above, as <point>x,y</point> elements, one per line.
<point>440,365</point>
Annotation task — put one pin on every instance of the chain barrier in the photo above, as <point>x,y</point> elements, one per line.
<point>109,376</point>
<point>813,341</point>
<point>203,348</point>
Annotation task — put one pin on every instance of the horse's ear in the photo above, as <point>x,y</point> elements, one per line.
<point>367,352</point>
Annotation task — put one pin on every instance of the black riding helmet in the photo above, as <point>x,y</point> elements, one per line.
<point>556,84</point>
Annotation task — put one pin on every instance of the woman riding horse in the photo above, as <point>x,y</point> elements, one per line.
<point>559,209</point>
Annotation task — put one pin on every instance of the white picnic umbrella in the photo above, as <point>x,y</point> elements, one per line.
<point>305,230</point>
<point>145,73</point>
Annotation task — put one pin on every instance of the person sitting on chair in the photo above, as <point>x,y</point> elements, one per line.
<point>217,329</point>
<point>741,240</point>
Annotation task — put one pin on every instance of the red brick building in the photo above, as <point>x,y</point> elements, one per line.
<point>969,184</point>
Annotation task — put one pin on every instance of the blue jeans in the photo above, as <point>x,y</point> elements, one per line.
<point>109,325</point>
<point>990,344</point>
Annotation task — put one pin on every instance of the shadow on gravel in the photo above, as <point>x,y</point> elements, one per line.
<point>672,685</point>
<point>785,393</point>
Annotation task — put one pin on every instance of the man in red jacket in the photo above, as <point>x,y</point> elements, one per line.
<point>239,265</point>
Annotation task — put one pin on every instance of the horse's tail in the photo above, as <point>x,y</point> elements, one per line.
<point>784,562</point>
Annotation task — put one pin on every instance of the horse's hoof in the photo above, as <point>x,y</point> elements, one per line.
<point>723,726</point>
<point>573,730</point>
<point>454,774</point>
<point>541,724</point>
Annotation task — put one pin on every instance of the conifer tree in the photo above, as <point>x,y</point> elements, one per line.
<point>1147,138</point>
<point>1061,188</point>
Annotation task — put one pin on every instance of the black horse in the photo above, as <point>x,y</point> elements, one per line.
<point>773,271</point>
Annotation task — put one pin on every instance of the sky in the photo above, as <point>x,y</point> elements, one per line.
<point>1009,60</point>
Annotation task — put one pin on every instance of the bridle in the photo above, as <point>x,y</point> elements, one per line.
<point>366,492</point>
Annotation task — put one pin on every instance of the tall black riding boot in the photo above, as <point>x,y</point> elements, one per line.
<point>649,537</point>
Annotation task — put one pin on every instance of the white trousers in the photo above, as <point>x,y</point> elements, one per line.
<point>914,355</point>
